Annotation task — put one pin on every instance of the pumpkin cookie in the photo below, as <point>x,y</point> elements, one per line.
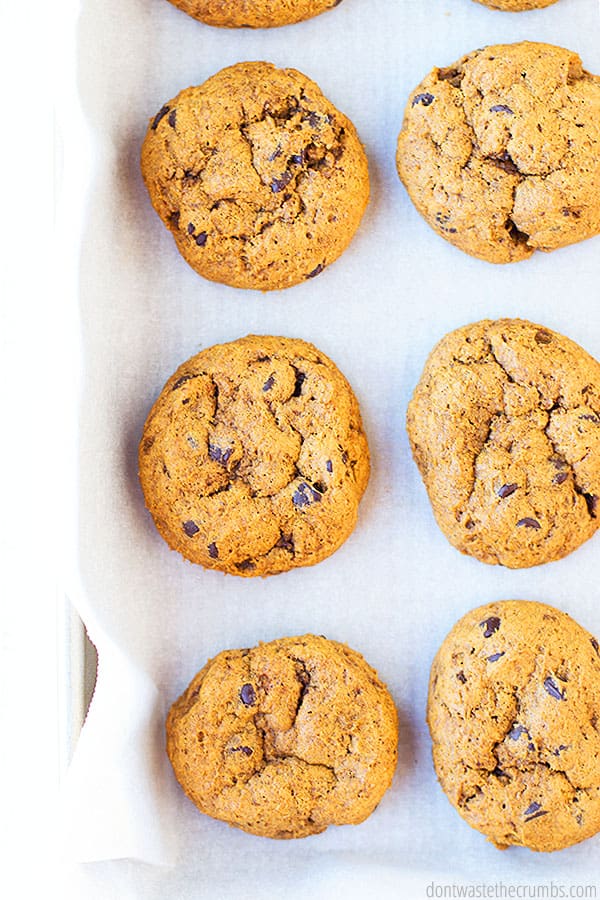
<point>261,181</point>
<point>285,739</point>
<point>505,429</point>
<point>516,5</point>
<point>514,716</point>
<point>253,13</point>
<point>500,152</point>
<point>253,459</point>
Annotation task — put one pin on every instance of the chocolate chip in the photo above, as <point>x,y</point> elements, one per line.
<point>201,238</point>
<point>534,811</point>
<point>312,118</point>
<point>172,120</point>
<point>491,625</point>
<point>269,383</point>
<point>160,115</point>
<point>344,457</point>
<point>551,687</point>
<point>279,184</point>
<point>191,228</point>
<point>595,645</point>
<point>221,456</point>
<point>190,528</point>
<point>329,466</point>
<point>516,731</point>
<point>592,502</point>
<point>300,379</point>
<point>305,495</point>
<point>245,566</point>
<point>297,159</point>
<point>496,656</point>
<point>247,751</point>
<point>507,489</point>
<point>461,677</point>
<point>560,478</point>
<point>247,695</point>
<point>559,750</point>
<point>591,418</point>
<point>529,523</point>
<point>276,152</point>
<point>542,337</point>
<point>498,772</point>
<point>316,271</point>
<point>285,542</point>
<point>500,107</point>
<point>212,551</point>
<point>423,99</point>
<point>181,381</point>
<point>174,220</point>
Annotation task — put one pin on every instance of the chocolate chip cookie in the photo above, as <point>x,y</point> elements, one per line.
<point>516,5</point>
<point>253,13</point>
<point>500,152</point>
<point>505,429</point>
<point>514,716</point>
<point>261,181</point>
<point>253,459</point>
<point>285,739</point>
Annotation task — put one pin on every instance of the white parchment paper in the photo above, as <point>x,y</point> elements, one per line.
<point>396,587</point>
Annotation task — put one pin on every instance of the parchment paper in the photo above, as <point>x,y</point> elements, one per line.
<point>396,587</point>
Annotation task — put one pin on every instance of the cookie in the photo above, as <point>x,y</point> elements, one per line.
<point>505,429</point>
<point>516,5</point>
<point>285,739</point>
<point>253,13</point>
<point>500,152</point>
<point>261,181</point>
<point>514,716</point>
<point>253,459</point>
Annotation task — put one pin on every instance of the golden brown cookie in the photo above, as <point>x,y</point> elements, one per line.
<point>261,181</point>
<point>254,13</point>
<point>500,152</point>
<point>505,429</point>
<point>514,716</point>
<point>285,739</point>
<point>516,5</point>
<point>253,459</point>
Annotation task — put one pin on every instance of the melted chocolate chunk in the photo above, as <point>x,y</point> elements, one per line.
<point>316,271</point>
<point>212,551</point>
<point>551,687</point>
<point>501,107</point>
<point>221,456</point>
<point>201,238</point>
<point>490,625</point>
<point>507,489</point>
<point>285,542</point>
<point>248,695</point>
<point>424,99</point>
<point>190,528</point>
<point>245,566</point>
<point>496,656</point>
<point>159,116</point>
<point>172,120</point>
<point>560,478</point>
<point>181,381</point>
<point>280,184</point>
<point>529,523</point>
<point>305,495</point>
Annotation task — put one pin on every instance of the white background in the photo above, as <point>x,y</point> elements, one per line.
<point>39,366</point>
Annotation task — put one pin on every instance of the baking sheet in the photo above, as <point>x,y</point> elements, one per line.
<point>396,587</point>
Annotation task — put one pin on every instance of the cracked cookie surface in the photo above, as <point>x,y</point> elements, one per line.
<point>285,739</point>
<point>500,152</point>
<point>253,13</point>
<point>261,181</point>
<point>253,459</point>
<point>514,716</point>
<point>505,429</point>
